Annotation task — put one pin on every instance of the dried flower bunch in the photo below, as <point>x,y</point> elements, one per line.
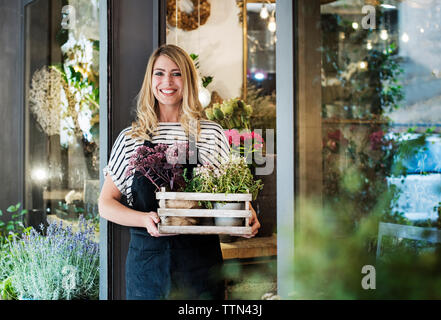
<point>191,19</point>
<point>45,99</point>
<point>61,265</point>
<point>162,165</point>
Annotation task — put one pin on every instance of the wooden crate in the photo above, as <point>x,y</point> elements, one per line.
<point>163,211</point>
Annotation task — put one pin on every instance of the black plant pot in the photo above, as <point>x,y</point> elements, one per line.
<point>266,202</point>
<point>34,218</point>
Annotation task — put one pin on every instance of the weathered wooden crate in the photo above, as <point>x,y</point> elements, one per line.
<point>163,211</point>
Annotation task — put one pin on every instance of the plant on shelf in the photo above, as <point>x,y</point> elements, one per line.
<point>61,265</point>
<point>362,189</point>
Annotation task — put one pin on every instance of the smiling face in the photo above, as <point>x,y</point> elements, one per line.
<point>167,83</point>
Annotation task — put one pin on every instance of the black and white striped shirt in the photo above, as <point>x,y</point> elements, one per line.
<point>211,146</point>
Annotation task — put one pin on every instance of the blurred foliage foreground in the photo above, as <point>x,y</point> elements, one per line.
<point>329,257</point>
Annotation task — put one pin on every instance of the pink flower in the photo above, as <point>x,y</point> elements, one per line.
<point>238,139</point>
<point>233,137</point>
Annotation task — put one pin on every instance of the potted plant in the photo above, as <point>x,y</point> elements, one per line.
<point>232,176</point>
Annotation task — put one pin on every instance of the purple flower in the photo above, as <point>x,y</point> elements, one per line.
<point>162,165</point>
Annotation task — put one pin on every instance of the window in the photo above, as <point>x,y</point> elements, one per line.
<point>62,109</point>
<point>368,143</point>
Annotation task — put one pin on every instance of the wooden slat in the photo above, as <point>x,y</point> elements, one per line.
<point>203,196</point>
<point>204,230</point>
<point>247,207</point>
<point>204,213</point>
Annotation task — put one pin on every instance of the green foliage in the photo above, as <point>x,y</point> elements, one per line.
<point>329,258</point>
<point>231,114</point>
<point>14,225</point>
<point>206,80</point>
<point>7,291</point>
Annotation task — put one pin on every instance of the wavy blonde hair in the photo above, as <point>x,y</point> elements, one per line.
<point>147,110</point>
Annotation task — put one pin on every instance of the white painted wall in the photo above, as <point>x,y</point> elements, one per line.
<point>219,45</point>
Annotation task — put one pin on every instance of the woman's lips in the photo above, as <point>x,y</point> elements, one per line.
<point>168,92</point>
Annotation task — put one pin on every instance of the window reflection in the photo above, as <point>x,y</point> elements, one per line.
<point>379,95</point>
<point>62,121</point>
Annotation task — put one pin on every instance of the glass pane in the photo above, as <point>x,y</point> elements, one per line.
<point>381,178</point>
<point>250,264</point>
<point>62,109</point>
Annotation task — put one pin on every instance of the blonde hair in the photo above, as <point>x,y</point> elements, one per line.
<point>147,111</point>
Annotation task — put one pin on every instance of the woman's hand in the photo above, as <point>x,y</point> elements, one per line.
<point>151,221</point>
<point>254,223</point>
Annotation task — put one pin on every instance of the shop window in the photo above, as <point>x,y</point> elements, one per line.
<point>370,89</point>
<point>62,109</point>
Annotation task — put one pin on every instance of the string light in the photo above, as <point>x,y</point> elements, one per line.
<point>405,37</point>
<point>355,25</point>
<point>384,35</point>
<point>369,45</point>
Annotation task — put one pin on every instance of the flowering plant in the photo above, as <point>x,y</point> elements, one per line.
<point>61,265</point>
<point>244,143</point>
<point>232,176</point>
<point>162,165</point>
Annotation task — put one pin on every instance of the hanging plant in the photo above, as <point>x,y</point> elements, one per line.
<point>188,21</point>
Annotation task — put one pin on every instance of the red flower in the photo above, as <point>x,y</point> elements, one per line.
<point>335,140</point>
<point>376,139</point>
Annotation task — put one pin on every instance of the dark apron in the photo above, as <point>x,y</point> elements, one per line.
<point>170,267</point>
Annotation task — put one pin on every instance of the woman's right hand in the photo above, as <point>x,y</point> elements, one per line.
<point>151,221</point>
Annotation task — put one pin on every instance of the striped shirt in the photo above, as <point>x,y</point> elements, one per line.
<point>211,146</point>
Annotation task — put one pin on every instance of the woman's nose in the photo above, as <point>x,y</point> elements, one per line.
<point>169,78</point>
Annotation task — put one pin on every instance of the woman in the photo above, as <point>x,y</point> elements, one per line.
<point>163,266</point>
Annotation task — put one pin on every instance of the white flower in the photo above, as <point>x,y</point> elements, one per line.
<point>72,196</point>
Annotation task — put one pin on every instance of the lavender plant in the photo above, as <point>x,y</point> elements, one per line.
<point>61,265</point>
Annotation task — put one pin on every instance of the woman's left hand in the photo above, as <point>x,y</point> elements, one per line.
<point>254,224</point>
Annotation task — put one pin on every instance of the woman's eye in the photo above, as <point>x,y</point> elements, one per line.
<point>159,73</point>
